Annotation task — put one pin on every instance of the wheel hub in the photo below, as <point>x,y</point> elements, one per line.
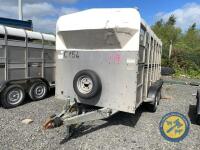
<point>85,84</point>
<point>15,96</point>
<point>39,90</point>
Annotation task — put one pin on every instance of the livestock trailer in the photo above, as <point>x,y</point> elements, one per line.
<point>106,58</point>
<point>27,65</point>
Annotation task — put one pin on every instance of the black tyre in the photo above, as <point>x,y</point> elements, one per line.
<point>198,119</point>
<point>197,104</point>
<point>166,71</point>
<point>197,109</point>
<point>159,96</point>
<point>38,90</point>
<point>154,105</point>
<point>86,84</point>
<point>12,96</point>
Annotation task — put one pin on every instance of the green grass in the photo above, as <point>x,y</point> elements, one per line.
<point>195,74</point>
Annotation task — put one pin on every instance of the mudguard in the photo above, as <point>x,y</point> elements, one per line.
<point>3,85</point>
<point>154,88</point>
<point>198,102</point>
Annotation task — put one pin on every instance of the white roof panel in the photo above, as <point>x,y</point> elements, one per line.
<point>101,18</point>
<point>49,37</point>
<point>16,32</point>
<point>22,33</point>
<point>34,35</point>
<point>2,30</point>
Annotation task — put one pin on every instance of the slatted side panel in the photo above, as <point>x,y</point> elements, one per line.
<point>35,54</point>
<point>24,57</point>
<point>35,62</point>
<point>49,65</point>
<point>49,55</point>
<point>16,55</point>
<point>141,67</point>
<point>49,73</point>
<point>149,64</point>
<point>146,68</point>
<point>2,51</point>
<point>16,62</point>
<point>2,72</point>
<point>16,73</point>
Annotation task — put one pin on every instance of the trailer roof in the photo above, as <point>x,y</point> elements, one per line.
<point>104,18</point>
<point>48,37</point>
<point>22,33</point>
<point>34,35</point>
<point>100,18</point>
<point>2,31</point>
<point>15,32</point>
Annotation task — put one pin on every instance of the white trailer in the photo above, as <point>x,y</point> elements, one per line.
<point>107,58</point>
<point>27,65</point>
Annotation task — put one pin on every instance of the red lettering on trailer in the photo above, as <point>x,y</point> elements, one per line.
<point>115,58</point>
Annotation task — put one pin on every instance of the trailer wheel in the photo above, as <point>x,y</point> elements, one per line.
<point>197,109</point>
<point>166,71</point>
<point>198,119</point>
<point>159,96</point>
<point>86,84</point>
<point>154,105</point>
<point>38,90</point>
<point>197,104</point>
<point>12,96</point>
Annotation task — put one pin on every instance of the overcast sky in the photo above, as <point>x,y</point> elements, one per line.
<point>45,13</point>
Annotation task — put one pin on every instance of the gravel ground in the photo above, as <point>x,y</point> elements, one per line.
<point>120,132</point>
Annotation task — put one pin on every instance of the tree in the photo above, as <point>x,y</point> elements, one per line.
<point>193,27</point>
<point>171,21</point>
<point>159,23</point>
<point>186,46</point>
<point>167,32</point>
<point>192,38</point>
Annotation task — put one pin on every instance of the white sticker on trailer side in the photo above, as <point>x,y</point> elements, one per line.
<point>131,64</point>
<point>60,56</point>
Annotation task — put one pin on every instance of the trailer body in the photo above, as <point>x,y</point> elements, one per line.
<point>26,57</point>
<point>112,59</point>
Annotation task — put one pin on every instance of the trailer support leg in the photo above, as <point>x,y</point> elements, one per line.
<point>74,116</point>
